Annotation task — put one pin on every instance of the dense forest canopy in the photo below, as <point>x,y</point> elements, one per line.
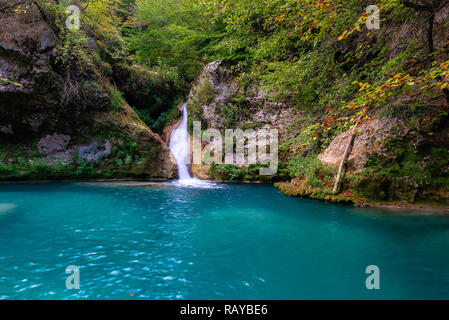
<point>315,54</point>
<point>275,43</point>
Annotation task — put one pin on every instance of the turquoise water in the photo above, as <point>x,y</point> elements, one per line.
<point>233,242</point>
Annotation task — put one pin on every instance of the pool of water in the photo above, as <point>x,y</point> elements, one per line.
<point>228,241</point>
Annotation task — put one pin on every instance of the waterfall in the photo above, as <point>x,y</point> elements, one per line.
<point>180,147</point>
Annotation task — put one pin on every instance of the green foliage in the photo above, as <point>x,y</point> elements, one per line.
<point>36,169</point>
<point>310,168</point>
<point>311,55</point>
<point>230,115</point>
<point>153,94</point>
<point>117,99</point>
<point>228,172</point>
<point>205,92</point>
<point>202,95</point>
<point>407,162</point>
<point>176,33</point>
<point>314,55</point>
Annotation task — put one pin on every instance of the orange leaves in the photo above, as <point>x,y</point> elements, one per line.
<point>328,121</point>
<point>445,71</point>
<point>300,148</point>
<point>281,19</point>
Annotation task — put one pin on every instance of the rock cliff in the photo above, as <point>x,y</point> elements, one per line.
<point>67,119</point>
<point>394,158</point>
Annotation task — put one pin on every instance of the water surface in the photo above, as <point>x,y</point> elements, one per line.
<point>233,241</point>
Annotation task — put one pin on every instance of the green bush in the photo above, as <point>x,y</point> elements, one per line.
<point>310,168</point>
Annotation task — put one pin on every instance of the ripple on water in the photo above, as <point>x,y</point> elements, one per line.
<point>238,242</point>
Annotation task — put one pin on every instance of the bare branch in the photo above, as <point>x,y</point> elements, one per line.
<point>85,6</point>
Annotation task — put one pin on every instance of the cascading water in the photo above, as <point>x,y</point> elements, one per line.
<point>180,147</point>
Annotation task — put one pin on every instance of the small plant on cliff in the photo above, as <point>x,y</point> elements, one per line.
<point>117,99</point>
<point>205,92</point>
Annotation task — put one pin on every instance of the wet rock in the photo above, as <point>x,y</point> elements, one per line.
<point>47,41</point>
<point>53,143</point>
<point>405,189</point>
<point>370,141</point>
<point>55,149</point>
<point>156,160</point>
<point>64,157</point>
<point>6,129</point>
<point>46,99</point>
<point>92,44</point>
<point>93,153</point>
<point>49,97</point>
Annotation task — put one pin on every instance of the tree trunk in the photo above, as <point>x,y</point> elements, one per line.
<point>344,161</point>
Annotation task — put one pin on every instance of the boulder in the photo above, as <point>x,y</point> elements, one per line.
<point>370,141</point>
<point>53,143</point>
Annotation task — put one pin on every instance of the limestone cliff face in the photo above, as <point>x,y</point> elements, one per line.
<point>397,159</point>
<point>393,158</point>
<point>54,114</point>
<point>42,98</point>
<point>370,142</point>
<point>158,161</point>
<point>220,102</point>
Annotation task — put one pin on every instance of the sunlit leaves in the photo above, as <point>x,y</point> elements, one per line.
<point>4,81</point>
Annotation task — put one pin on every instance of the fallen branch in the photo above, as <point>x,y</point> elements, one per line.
<point>344,161</point>
<point>348,151</point>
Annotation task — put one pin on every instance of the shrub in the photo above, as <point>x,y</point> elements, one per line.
<point>311,169</point>
<point>117,99</point>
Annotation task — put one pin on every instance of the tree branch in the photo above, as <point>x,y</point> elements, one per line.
<point>11,6</point>
<point>41,10</point>
<point>82,10</point>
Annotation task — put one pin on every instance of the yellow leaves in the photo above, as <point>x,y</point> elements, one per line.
<point>343,36</point>
<point>4,80</point>
<point>347,33</point>
<point>363,85</point>
<point>300,148</point>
